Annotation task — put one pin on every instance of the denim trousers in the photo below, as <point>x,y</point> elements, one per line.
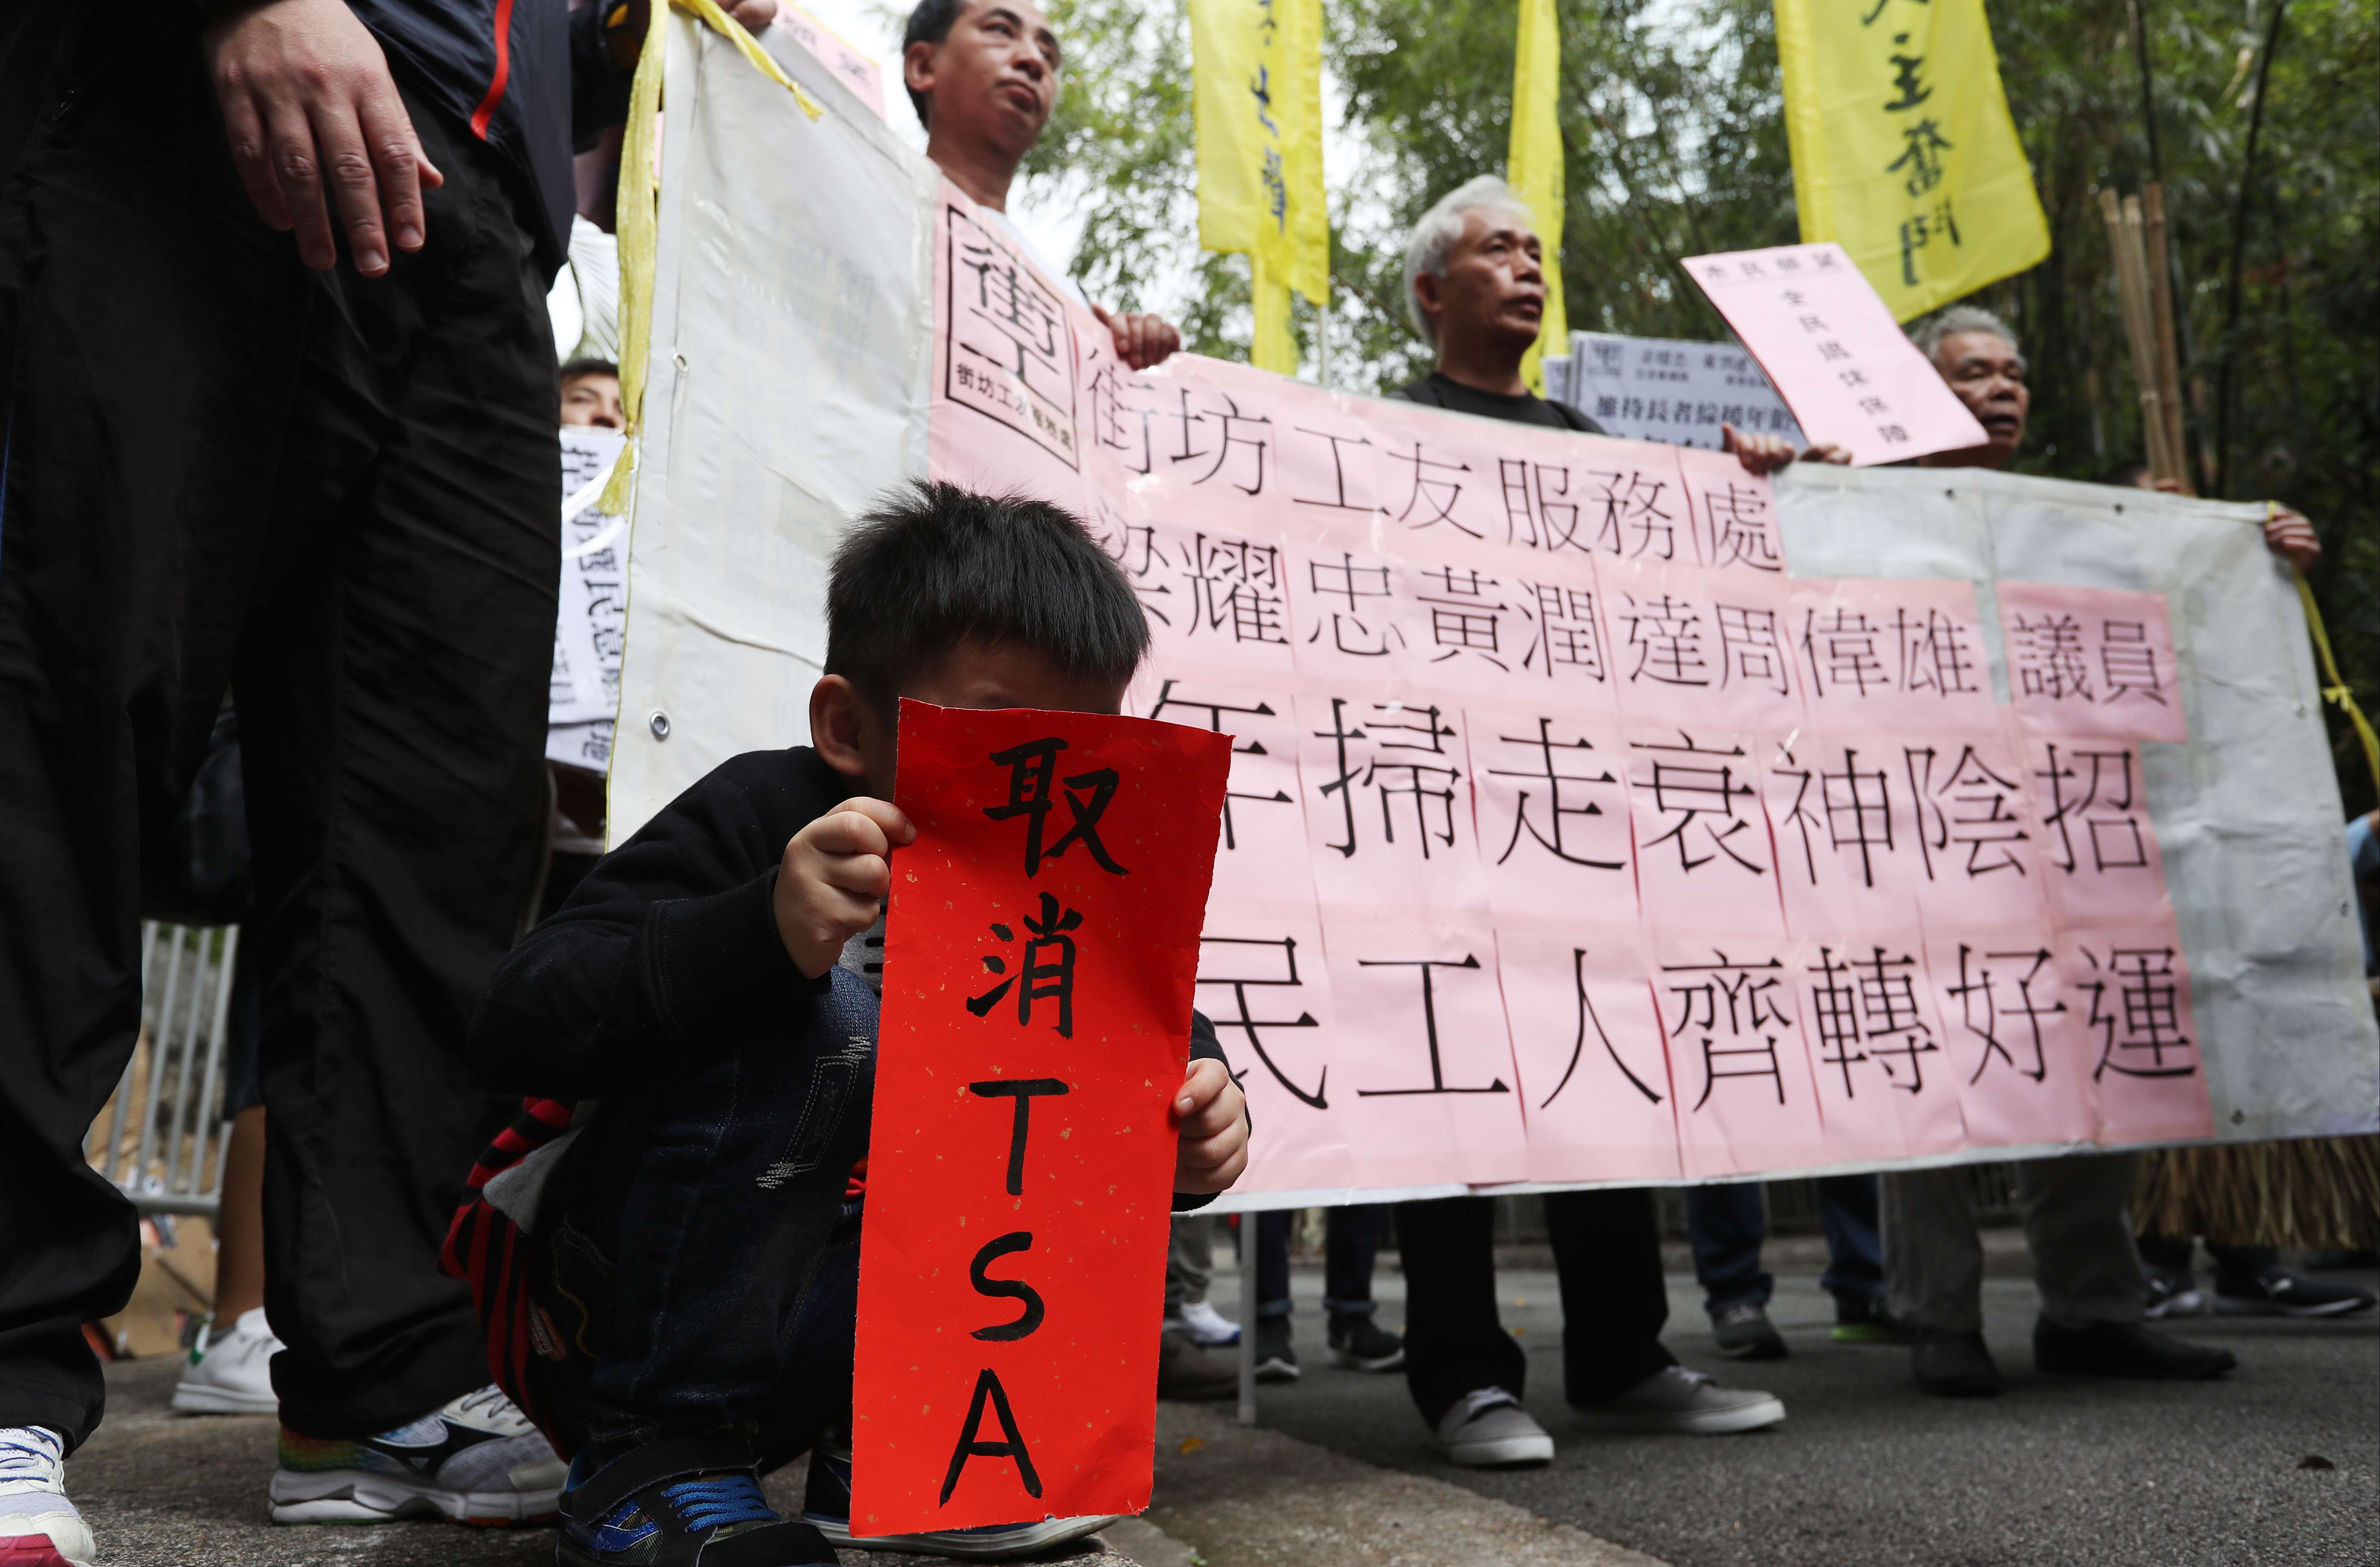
<point>703,1273</point>
<point>1351,1238</point>
<point>1726,1228</point>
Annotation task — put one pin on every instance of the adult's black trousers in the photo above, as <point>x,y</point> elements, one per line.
<point>337,496</point>
<point>1608,1258</point>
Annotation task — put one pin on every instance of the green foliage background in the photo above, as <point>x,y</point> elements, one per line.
<point>1672,120</point>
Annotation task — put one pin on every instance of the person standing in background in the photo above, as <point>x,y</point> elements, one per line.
<point>279,412</point>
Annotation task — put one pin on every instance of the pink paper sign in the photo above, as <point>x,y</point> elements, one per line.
<point>1265,987</point>
<point>1263,854</point>
<point>2091,661</point>
<point>2099,848</point>
<point>1587,1045</point>
<point>1423,1058</point>
<point>2015,1046</point>
<point>1732,1021</point>
<point>1704,856</point>
<point>1830,346</point>
<point>1734,514</point>
<point>2129,989</point>
<point>1220,599</point>
<point>856,71</point>
<point>1692,645</point>
<point>1884,1082</point>
<point>1552,800</point>
<point>1386,791</point>
<point>1848,852</point>
<point>1877,651</point>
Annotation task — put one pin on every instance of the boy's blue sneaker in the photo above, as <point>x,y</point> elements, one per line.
<point>680,1502</point>
<point>826,1507</point>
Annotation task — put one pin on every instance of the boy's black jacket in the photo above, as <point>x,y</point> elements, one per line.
<point>666,957</point>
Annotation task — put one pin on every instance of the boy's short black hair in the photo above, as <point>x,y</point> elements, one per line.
<point>929,23</point>
<point>589,366</point>
<point>933,565</point>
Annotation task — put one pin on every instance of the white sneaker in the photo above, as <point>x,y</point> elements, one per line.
<point>477,1461</point>
<point>39,1527</point>
<point>1488,1429</point>
<point>1675,1399</point>
<point>231,1373</point>
<point>1208,1328</point>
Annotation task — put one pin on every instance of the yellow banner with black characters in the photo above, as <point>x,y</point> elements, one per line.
<point>1534,166</point>
<point>1256,91</point>
<point>1903,150</point>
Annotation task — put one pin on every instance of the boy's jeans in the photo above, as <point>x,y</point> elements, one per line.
<point>701,1265</point>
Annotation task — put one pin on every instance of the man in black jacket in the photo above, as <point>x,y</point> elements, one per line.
<point>1474,286</point>
<point>227,459</point>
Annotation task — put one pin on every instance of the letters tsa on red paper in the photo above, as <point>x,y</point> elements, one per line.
<point>1040,953</point>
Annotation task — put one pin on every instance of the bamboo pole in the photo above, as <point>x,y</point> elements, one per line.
<point>2124,246</point>
<point>2169,359</point>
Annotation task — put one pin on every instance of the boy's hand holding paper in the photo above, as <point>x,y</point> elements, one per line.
<point>833,878</point>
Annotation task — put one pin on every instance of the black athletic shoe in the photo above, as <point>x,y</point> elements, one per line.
<point>680,1502</point>
<point>1745,1332</point>
<point>2276,1291</point>
<point>1276,1356</point>
<point>1863,1319</point>
<point>1361,1345</point>
<point>1954,1366</point>
<point>2125,1349</point>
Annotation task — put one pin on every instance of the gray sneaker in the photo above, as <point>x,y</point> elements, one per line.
<point>1678,1399</point>
<point>1488,1429</point>
<point>1745,1332</point>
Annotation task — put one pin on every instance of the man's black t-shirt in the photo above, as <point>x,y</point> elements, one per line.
<point>1435,391</point>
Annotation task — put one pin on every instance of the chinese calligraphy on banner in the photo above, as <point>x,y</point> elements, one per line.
<point>1835,352</point>
<point>1903,150</point>
<point>1569,836</point>
<point>1041,947</point>
<point>1298,550</point>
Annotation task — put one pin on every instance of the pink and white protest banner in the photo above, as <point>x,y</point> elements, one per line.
<point>1596,812</point>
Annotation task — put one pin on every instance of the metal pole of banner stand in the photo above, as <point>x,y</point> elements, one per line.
<point>1322,346</point>
<point>1247,1319</point>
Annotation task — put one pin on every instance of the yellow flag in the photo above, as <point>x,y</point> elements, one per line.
<point>1534,166</point>
<point>1257,91</point>
<point>1903,150</point>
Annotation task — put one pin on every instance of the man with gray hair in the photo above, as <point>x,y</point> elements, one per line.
<point>1475,288</point>
<point>1475,291</point>
<point>1978,358</point>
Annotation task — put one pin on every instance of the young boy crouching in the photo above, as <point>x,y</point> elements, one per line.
<point>676,1304</point>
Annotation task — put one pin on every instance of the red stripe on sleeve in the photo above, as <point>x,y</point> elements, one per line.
<point>504,40</point>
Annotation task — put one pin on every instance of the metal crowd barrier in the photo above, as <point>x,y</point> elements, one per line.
<point>164,1138</point>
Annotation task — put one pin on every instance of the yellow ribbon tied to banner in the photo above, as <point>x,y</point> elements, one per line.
<point>638,212</point>
<point>1534,168</point>
<point>1903,150</point>
<point>1257,92</point>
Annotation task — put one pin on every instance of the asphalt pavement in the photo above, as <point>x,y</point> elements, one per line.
<point>2277,1463</point>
